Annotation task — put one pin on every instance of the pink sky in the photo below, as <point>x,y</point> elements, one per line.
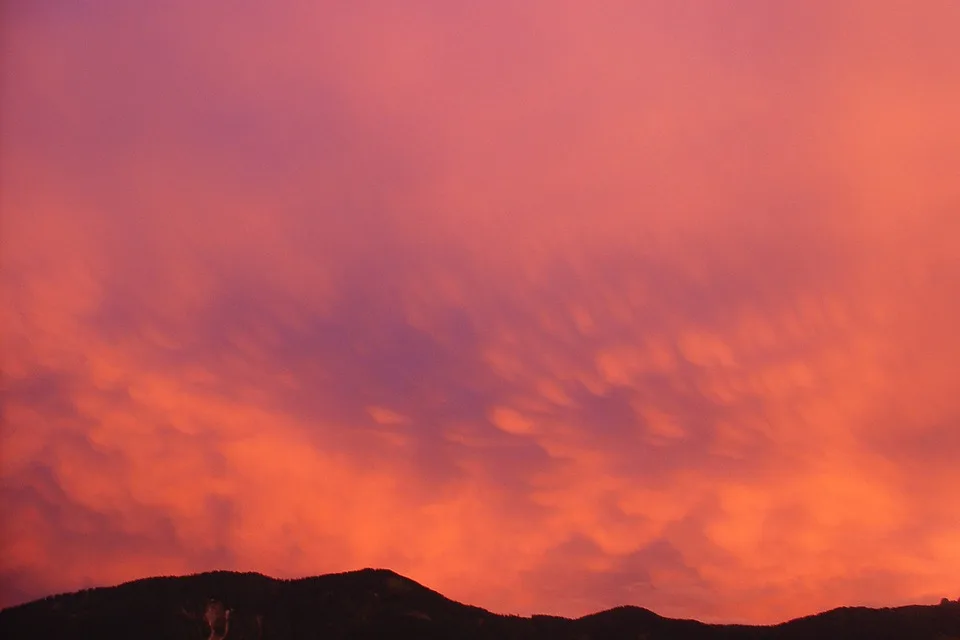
<point>551,306</point>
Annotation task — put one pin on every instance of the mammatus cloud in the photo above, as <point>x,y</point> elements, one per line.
<point>550,308</point>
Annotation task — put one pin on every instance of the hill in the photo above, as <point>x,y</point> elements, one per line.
<point>376,603</point>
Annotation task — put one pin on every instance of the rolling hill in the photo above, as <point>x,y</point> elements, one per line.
<point>377,603</point>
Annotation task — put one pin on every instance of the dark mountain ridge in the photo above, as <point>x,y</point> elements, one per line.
<point>377,603</point>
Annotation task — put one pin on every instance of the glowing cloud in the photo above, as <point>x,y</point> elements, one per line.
<point>550,307</point>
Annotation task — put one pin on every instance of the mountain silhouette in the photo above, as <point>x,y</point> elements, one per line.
<point>377,603</point>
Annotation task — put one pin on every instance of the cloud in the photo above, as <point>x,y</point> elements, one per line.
<point>646,306</point>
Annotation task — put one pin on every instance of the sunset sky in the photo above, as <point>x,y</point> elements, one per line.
<point>549,305</point>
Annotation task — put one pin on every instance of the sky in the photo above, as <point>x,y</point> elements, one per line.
<point>551,306</point>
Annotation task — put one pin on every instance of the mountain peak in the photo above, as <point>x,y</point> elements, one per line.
<point>381,603</point>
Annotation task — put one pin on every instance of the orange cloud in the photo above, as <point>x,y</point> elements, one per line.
<point>650,305</point>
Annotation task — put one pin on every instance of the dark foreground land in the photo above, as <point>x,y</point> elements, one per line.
<point>382,604</point>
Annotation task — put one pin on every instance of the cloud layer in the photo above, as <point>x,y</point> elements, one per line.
<point>548,307</point>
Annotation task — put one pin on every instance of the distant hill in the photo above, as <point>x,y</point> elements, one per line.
<point>376,603</point>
